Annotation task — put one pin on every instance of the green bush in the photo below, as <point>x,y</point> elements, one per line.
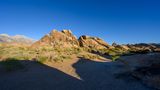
<point>114,58</point>
<point>61,58</point>
<point>42,59</point>
<point>90,56</point>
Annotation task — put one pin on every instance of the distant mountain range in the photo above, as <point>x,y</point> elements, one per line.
<point>5,38</point>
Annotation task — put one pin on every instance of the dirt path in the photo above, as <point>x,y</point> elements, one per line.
<point>78,74</point>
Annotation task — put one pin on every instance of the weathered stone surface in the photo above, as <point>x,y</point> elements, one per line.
<point>58,39</point>
<point>143,47</point>
<point>93,42</point>
<point>122,47</point>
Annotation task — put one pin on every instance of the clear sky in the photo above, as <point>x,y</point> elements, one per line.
<point>121,21</point>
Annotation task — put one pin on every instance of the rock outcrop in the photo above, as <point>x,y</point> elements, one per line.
<point>93,42</point>
<point>65,38</point>
<point>144,48</point>
<point>122,47</point>
<point>4,38</point>
<point>138,48</point>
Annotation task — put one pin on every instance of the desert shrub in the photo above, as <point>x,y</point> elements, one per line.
<point>76,50</point>
<point>58,50</point>
<point>86,49</point>
<point>61,58</point>
<point>90,56</point>
<point>1,51</point>
<point>115,52</point>
<point>65,57</point>
<point>114,58</point>
<point>26,56</point>
<point>42,59</point>
<point>22,48</point>
<point>112,52</point>
<point>46,48</point>
<point>17,52</point>
<point>11,64</point>
<point>103,51</point>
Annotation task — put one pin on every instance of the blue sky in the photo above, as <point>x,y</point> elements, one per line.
<point>121,21</point>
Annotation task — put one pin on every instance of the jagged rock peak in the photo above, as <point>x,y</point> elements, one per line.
<point>114,44</point>
<point>93,42</point>
<point>63,38</point>
<point>66,31</point>
<point>89,37</point>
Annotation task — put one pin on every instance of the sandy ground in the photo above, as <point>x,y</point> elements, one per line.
<point>77,74</point>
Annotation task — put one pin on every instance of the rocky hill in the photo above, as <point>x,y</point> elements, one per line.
<point>93,42</point>
<point>55,38</point>
<point>139,48</point>
<point>65,38</point>
<point>4,38</point>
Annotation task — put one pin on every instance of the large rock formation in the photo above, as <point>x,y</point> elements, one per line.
<point>139,48</point>
<point>55,38</point>
<point>65,38</point>
<point>122,47</point>
<point>93,42</point>
<point>144,48</point>
<point>4,38</point>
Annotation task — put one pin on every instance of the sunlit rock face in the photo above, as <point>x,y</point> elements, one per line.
<point>93,42</point>
<point>144,47</point>
<point>65,38</point>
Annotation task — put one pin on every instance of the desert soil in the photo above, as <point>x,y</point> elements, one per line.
<point>77,74</point>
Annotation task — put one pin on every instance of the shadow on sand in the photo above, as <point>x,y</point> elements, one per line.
<point>36,76</point>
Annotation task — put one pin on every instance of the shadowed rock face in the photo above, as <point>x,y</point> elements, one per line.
<point>93,42</point>
<point>4,38</point>
<point>56,38</point>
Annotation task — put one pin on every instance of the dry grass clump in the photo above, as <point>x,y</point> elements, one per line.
<point>56,54</point>
<point>17,52</point>
<point>114,58</point>
<point>42,54</point>
<point>111,52</point>
<point>87,55</point>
